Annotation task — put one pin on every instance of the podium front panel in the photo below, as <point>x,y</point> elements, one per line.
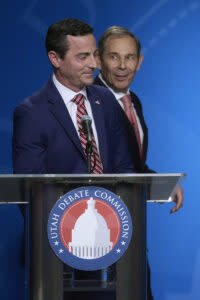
<point>49,277</point>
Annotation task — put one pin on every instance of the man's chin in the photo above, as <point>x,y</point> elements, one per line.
<point>120,88</point>
<point>89,81</point>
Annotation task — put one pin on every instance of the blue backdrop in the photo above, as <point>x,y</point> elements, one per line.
<point>168,86</point>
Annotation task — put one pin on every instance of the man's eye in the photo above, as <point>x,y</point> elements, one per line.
<point>113,57</point>
<point>131,57</point>
<point>82,57</point>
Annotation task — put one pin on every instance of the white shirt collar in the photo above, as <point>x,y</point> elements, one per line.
<point>118,96</point>
<point>65,92</point>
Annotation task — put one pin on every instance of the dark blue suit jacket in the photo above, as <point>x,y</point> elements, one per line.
<point>45,139</point>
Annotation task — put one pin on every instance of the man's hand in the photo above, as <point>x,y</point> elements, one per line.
<point>178,199</point>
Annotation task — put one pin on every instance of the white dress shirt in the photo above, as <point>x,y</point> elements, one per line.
<point>67,96</point>
<point>118,96</point>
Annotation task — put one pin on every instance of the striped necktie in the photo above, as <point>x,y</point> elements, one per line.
<point>126,99</point>
<point>96,165</point>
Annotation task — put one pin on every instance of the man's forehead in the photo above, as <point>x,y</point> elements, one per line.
<point>79,43</point>
<point>79,38</point>
<point>120,40</point>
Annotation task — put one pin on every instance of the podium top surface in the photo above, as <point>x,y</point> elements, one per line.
<point>161,186</point>
<point>139,177</point>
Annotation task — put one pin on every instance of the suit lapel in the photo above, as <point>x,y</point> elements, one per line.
<point>98,117</point>
<point>58,109</point>
<point>144,127</point>
<point>98,81</point>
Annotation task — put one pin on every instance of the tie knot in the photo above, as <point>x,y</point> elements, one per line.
<point>126,99</point>
<point>78,99</point>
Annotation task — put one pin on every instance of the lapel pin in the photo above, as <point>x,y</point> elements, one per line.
<point>97,102</point>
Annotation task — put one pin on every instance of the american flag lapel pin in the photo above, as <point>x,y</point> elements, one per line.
<point>97,102</point>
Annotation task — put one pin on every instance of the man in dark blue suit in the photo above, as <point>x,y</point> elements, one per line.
<point>46,137</point>
<point>119,59</point>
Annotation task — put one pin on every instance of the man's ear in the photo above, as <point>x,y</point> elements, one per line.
<point>140,61</point>
<point>98,61</point>
<point>54,59</point>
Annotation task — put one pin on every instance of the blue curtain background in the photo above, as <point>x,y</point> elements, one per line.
<point>168,85</point>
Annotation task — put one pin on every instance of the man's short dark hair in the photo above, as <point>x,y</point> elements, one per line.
<point>117,32</point>
<point>57,32</point>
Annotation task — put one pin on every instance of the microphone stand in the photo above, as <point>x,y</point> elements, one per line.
<point>89,151</point>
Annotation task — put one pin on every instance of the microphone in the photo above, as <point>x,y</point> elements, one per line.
<point>86,122</point>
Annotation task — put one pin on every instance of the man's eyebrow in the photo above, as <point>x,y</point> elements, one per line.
<point>112,52</point>
<point>116,53</point>
<point>82,53</point>
<point>86,52</point>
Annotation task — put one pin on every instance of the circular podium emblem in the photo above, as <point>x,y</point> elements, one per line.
<point>89,228</point>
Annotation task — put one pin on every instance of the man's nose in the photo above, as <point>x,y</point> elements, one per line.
<point>92,62</point>
<point>122,63</point>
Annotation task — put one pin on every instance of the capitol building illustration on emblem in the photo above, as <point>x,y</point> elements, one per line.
<point>91,235</point>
